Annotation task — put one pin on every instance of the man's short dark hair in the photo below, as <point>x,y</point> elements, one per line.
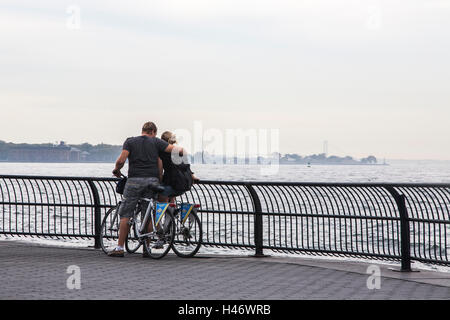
<point>149,127</point>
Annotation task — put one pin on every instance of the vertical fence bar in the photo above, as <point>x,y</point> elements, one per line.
<point>405,240</point>
<point>97,213</point>
<point>258,222</point>
<point>405,234</point>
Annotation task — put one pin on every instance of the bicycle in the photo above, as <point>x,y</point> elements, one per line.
<point>188,231</point>
<point>155,229</point>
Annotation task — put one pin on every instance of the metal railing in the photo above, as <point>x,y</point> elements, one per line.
<point>380,221</point>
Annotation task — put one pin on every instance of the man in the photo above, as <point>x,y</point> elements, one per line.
<point>142,153</point>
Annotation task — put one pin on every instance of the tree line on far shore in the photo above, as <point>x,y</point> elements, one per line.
<point>87,152</point>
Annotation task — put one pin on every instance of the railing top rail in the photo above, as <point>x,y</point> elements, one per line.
<point>255,183</point>
<point>329,184</point>
<point>7,176</point>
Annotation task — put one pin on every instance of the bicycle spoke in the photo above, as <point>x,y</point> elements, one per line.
<point>109,232</point>
<point>133,241</point>
<point>159,241</point>
<point>188,236</point>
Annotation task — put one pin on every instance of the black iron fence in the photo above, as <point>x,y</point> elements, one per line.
<point>381,221</point>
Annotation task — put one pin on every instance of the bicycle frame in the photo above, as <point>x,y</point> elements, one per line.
<point>148,214</point>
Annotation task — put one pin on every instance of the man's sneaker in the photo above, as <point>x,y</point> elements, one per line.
<point>145,254</point>
<point>158,244</point>
<point>116,253</point>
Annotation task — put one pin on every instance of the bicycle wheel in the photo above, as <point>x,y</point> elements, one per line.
<point>158,243</point>
<point>188,236</point>
<point>109,232</point>
<point>133,243</point>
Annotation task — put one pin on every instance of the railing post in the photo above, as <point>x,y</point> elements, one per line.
<point>405,234</point>
<point>405,241</point>
<point>97,214</point>
<point>258,222</point>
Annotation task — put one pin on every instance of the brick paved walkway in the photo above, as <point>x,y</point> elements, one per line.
<point>38,272</point>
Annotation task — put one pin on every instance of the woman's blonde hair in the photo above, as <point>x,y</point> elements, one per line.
<point>169,137</point>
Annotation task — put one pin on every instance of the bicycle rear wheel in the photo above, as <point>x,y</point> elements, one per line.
<point>158,243</point>
<point>109,232</point>
<point>188,236</point>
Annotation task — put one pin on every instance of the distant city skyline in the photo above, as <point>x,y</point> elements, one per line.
<point>369,77</point>
<point>4,154</point>
<point>62,152</point>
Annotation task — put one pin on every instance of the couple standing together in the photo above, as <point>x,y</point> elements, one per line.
<point>149,164</point>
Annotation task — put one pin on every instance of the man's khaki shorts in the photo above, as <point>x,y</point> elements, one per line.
<point>135,189</point>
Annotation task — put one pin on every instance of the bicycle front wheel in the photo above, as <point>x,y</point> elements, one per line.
<point>159,240</point>
<point>109,232</point>
<point>133,241</point>
<point>188,236</point>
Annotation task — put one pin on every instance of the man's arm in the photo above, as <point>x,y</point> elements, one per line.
<point>120,163</point>
<point>172,148</point>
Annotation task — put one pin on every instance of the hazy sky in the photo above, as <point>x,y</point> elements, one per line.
<point>371,77</point>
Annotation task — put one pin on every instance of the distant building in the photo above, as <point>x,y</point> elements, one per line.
<point>34,153</point>
<point>84,155</point>
<point>74,154</point>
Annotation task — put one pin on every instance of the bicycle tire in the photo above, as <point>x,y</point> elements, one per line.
<point>133,242</point>
<point>183,245</point>
<point>109,233</point>
<point>168,237</point>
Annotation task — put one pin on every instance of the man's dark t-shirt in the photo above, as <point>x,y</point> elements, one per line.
<point>144,152</point>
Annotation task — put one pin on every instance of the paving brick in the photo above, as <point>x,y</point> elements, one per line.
<point>38,272</point>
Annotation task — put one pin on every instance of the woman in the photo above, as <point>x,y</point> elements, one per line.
<point>167,165</point>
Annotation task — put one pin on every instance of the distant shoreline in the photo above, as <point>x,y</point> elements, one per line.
<point>7,161</point>
<point>235,164</point>
<point>337,164</point>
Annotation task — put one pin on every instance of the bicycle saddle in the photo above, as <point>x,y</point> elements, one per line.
<point>157,189</point>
